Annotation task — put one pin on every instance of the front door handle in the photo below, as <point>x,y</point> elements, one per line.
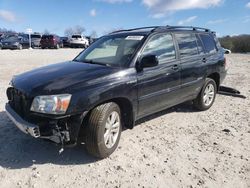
<point>175,67</point>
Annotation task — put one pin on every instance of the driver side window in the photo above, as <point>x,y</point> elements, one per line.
<point>162,46</point>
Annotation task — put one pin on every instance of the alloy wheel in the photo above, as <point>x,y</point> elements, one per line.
<point>112,128</point>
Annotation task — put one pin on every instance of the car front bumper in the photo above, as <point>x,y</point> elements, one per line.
<point>29,128</point>
<point>9,47</point>
<point>24,126</point>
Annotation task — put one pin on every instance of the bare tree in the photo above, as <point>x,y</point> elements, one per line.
<point>79,30</point>
<point>112,30</point>
<point>46,32</point>
<point>4,30</point>
<point>68,32</point>
<point>93,34</point>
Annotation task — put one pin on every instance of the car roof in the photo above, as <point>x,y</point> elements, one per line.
<point>153,29</point>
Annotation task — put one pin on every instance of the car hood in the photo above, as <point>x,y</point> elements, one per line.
<point>61,77</point>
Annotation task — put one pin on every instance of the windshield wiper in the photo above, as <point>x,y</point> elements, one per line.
<point>92,62</point>
<point>95,62</point>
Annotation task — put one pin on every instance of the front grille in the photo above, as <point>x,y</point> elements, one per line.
<point>18,101</point>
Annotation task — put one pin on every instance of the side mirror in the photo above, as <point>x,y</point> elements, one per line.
<point>148,61</point>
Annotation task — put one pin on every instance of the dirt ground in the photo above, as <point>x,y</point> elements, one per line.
<point>179,147</point>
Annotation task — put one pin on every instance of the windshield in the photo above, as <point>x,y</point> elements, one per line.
<point>35,36</point>
<point>12,38</point>
<point>111,50</point>
<point>47,37</point>
<point>76,36</point>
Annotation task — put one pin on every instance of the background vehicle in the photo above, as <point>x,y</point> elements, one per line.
<point>122,77</point>
<point>51,41</point>
<point>65,41</point>
<point>79,41</point>
<point>36,40</point>
<point>1,36</point>
<point>15,42</point>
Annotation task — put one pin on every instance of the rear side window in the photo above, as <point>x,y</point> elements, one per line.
<point>162,46</point>
<point>208,43</point>
<point>187,44</point>
<point>200,45</point>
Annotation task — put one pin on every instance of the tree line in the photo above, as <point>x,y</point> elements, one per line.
<point>67,32</point>
<point>237,44</point>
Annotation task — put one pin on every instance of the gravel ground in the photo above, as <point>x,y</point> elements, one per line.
<point>178,147</point>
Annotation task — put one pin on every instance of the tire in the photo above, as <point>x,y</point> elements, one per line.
<point>100,124</point>
<point>206,98</point>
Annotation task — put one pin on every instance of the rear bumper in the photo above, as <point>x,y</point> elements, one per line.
<point>77,44</point>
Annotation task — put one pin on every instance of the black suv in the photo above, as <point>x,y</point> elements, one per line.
<point>122,77</point>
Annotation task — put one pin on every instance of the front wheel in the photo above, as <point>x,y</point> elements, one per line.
<point>104,130</point>
<point>207,95</point>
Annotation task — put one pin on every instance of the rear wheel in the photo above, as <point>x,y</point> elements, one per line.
<point>103,130</point>
<point>207,95</point>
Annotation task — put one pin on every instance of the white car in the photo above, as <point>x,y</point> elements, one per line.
<point>78,41</point>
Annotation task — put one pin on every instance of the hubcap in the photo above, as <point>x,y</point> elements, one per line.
<point>112,128</point>
<point>208,96</point>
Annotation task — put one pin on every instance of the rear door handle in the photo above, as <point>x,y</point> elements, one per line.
<point>175,67</point>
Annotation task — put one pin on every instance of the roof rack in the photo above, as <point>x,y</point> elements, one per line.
<point>188,27</point>
<point>156,28</point>
<point>139,28</point>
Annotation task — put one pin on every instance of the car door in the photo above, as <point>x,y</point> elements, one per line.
<point>193,64</point>
<point>211,56</point>
<point>158,86</point>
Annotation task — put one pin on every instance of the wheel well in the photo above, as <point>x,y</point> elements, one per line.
<point>216,78</point>
<point>126,111</point>
<point>126,108</point>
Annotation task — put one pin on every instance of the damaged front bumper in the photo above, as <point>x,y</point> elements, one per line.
<point>57,134</point>
<point>24,126</point>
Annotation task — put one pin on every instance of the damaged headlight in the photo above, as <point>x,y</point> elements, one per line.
<point>51,104</point>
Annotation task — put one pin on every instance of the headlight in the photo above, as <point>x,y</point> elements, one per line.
<point>51,104</point>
